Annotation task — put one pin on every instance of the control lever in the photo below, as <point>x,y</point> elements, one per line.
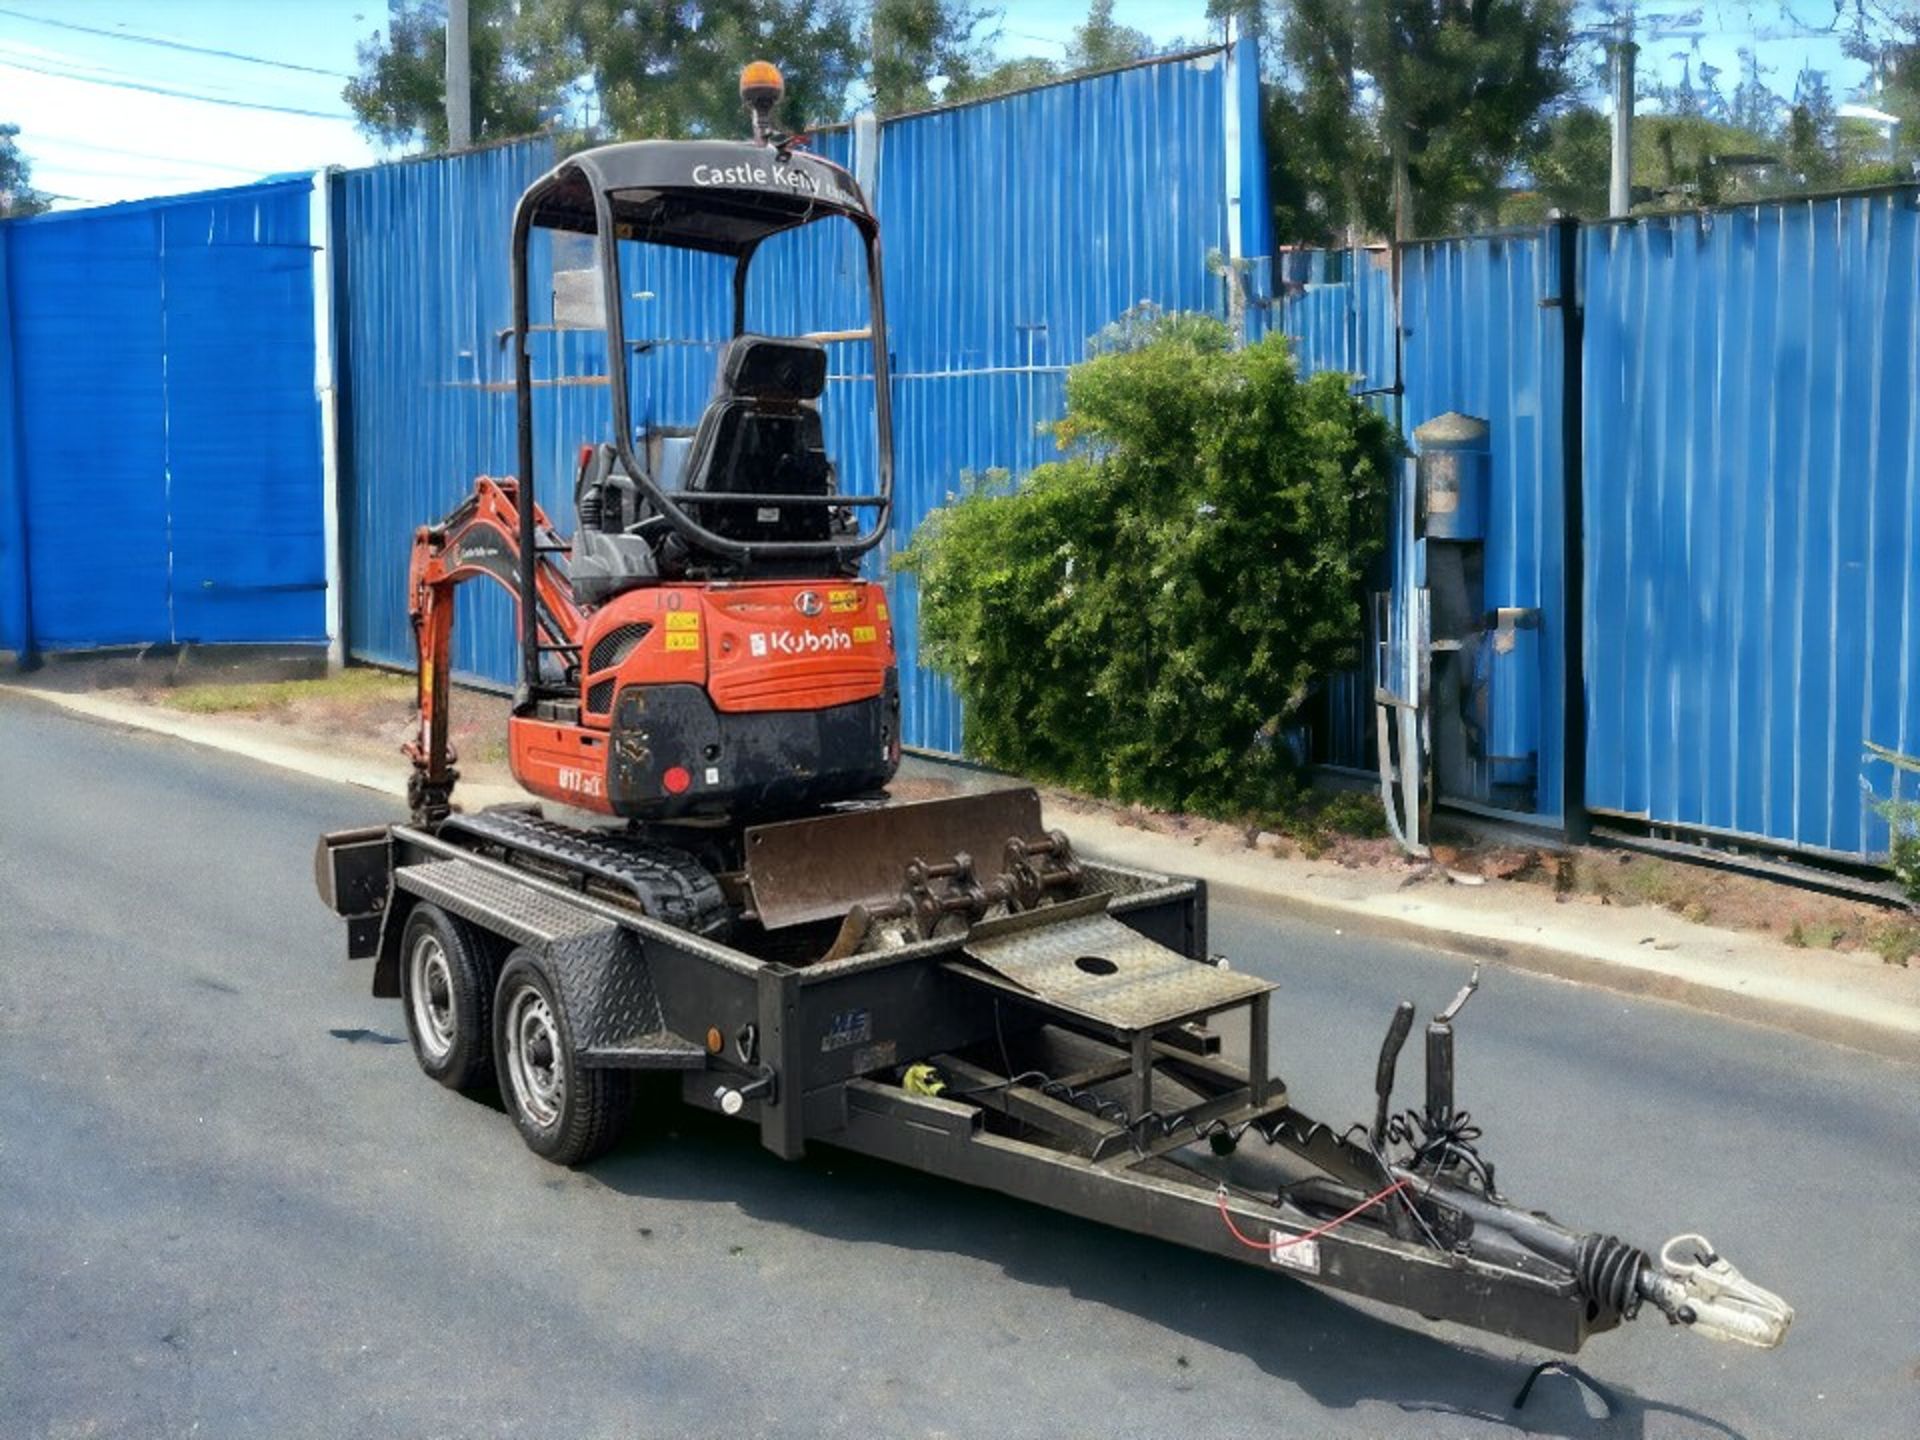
<point>1440,1057</point>
<point>1398,1029</point>
<point>1696,1287</point>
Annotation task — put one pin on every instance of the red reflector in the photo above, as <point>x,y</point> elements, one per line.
<point>676,780</point>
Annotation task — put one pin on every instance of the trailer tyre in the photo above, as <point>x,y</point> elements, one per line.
<point>565,1112</point>
<point>446,988</point>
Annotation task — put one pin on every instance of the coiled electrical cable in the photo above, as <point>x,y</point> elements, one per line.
<point>1435,1147</point>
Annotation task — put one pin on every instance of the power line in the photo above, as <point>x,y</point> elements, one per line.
<point>83,68</point>
<point>134,39</point>
<point>111,172</point>
<point>38,139</point>
<point>12,64</point>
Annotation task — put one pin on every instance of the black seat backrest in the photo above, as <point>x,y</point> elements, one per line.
<point>761,435</point>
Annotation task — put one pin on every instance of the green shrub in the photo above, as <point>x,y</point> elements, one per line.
<point>1140,617</point>
<point>1903,824</point>
<point>1904,852</point>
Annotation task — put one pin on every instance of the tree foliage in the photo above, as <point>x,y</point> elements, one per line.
<point>674,70</point>
<point>400,94</point>
<point>610,68</point>
<point>915,42</point>
<point>1100,43</point>
<point>1448,93</point>
<point>17,195</point>
<point>1682,161</point>
<point>616,70</point>
<point>1140,617</point>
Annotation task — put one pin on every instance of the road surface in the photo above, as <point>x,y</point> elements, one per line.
<point>230,1205</point>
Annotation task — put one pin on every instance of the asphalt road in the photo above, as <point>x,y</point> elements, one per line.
<point>230,1205</point>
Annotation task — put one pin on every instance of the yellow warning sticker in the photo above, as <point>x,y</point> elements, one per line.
<point>880,610</point>
<point>682,640</point>
<point>843,602</point>
<point>682,620</point>
<point>863,634</point>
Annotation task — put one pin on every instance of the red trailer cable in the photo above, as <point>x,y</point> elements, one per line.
<point>1220,1197</point>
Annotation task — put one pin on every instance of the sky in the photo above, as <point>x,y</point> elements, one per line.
<point>96,132</point>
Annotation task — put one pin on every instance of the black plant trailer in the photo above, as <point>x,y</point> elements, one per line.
<point>944,984</point>
<point>994,1011</point>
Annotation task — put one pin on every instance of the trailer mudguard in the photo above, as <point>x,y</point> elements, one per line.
<point>606,985</point>
<point>353,871</point>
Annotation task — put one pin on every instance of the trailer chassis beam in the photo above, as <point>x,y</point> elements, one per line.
<point>1151,1197</point>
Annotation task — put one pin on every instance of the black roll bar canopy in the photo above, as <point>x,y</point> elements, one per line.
<point>721,197</point>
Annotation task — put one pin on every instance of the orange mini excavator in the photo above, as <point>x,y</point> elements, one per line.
<point>703,645</point>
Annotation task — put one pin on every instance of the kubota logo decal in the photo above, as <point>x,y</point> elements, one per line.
<point>807,602</point>
<point>798,642</point>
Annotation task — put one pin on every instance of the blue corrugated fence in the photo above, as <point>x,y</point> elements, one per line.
<point>1750,448</point>
<point>161,461</point>
<point>1753,516</point>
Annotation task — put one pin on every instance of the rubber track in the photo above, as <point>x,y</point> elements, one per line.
<point>667,883</point>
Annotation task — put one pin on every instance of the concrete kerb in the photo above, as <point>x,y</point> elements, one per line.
<point>1828,997</point>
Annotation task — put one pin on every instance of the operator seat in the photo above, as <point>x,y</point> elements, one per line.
<point>761,435</point>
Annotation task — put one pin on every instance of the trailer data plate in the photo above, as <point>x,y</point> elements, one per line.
<point>1093,966</point>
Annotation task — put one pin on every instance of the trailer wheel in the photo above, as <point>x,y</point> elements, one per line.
<point>566,1113</point>
<point>446,987</point>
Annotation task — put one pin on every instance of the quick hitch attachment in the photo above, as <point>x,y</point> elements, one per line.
<point>1695,1286</point>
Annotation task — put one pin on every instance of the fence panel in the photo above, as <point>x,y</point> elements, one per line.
<point>426,378</point>
<point>164,431</point>
<point>1753,516</point>
<point>1336,308</point>
<point>1478,340</point>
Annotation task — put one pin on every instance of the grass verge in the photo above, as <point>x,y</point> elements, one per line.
<point>354,685</point>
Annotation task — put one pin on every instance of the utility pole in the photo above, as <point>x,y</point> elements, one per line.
<point>1620,182</point>
<point>459,78</point>
<point>1402,190</point>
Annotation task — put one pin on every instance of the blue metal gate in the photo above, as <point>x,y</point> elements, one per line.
<point>1753,517</point>
<point>162,456</point>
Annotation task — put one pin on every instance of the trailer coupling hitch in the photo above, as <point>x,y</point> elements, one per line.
<point>1695,1286</point>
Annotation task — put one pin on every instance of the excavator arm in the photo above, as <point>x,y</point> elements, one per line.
<point>481,536</point>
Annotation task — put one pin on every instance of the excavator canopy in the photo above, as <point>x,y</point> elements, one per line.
<point>722,196</point>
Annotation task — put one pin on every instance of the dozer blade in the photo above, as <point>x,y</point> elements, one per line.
<point>820,868</point>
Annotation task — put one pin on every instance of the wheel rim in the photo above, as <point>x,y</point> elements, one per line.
<point>534,1065</point>
<point>430,991</point>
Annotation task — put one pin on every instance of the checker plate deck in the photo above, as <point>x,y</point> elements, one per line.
<point>1141,985</point>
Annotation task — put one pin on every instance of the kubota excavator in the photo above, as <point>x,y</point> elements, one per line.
<point>703,646</point>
